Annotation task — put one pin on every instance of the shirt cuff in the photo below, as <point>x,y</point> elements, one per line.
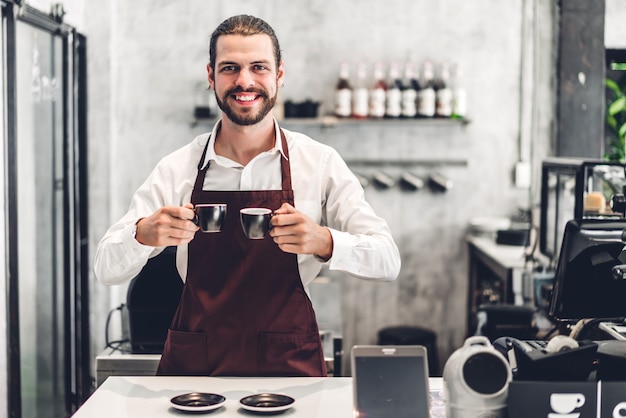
<point>342,249</point>
<point>136,248</point>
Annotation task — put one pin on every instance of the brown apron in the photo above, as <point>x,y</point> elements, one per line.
<point>243,309</point>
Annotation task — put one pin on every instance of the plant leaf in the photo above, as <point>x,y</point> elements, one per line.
<point>617,106</point>
<point>622,130</point>
<point>613,86</point>
<point>612,122</point>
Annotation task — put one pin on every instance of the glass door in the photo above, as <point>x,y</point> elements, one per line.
<point>4,345</point>
<point>49,370</point>
<point>40,185</point>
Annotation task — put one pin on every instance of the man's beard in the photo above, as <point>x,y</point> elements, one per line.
<point>246,118</point>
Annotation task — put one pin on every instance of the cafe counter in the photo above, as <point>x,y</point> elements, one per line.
<point>149,396</point>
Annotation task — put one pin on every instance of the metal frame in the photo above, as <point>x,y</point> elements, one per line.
<point>577,168</point>
<point>13,338</point>
<point>78,381</point>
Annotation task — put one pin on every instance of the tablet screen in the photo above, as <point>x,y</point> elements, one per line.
<point>391,386</point>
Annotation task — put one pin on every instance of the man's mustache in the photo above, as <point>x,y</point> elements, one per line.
<point>236,90</point>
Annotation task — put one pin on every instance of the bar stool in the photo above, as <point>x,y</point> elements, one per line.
<point>412,335</point>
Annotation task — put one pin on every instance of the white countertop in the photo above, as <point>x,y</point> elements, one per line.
<point>510,256</point>
<point>149,396</point>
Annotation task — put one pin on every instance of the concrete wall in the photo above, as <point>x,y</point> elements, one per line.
<point>146,58</point>
<point>614,24</point>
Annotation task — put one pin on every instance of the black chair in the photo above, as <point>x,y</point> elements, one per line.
<point>505,320</point>
<point>411,335</point>
<point>152,299</point>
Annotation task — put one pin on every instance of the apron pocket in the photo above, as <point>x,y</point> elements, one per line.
<point>291,354</point>
<point>185,353</point>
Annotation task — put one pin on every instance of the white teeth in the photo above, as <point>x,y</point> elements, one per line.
<point>245,98</point>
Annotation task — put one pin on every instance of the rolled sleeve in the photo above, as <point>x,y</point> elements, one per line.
<point>122,257</point>
<point>363,256</point>
<point>363,245</point>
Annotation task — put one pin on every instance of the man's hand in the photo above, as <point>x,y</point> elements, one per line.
<point>170,225</point>
<point>296,233</point>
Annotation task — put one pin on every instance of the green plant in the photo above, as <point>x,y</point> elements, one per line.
<point>616,119</point>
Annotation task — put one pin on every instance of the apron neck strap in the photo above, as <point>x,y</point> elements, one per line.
<point>285,167</point>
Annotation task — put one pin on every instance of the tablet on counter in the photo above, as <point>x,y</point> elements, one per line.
<point>390,381</point>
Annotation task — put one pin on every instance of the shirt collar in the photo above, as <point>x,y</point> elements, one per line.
<point>210,152</point>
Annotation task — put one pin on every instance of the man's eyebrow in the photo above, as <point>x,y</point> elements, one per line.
<point>226,63</point>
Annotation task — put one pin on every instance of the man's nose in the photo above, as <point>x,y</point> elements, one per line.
<point>245,79</point>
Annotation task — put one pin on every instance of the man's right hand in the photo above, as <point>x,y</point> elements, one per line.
<point>170,225</point>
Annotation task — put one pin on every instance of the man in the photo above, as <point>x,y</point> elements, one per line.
<point>244,310</point>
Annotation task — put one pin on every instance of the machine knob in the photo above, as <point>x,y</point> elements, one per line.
<point>618,203</point>
<point>619,272</point>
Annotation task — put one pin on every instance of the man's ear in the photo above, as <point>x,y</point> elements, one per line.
<point>280,74</point>
<point>211,76</point>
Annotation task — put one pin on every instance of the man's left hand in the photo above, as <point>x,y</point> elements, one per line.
<point>296,233</point>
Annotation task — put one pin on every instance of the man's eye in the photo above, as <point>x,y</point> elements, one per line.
<point>228,68</point>
<point>260,67</point>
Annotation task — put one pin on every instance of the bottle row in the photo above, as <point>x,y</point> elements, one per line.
<point>396,92</point>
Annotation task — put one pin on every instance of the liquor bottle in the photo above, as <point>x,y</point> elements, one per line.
<point>409,91</point>
<point>378,92</point>
<point>393,99</point>
<point>444,92</point>
<point>343,93</point>
<point>459,94</point>
<point>360,94</point>
<point>426,98</point>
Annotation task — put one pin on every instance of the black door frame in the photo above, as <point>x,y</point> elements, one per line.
<point>76,331</point>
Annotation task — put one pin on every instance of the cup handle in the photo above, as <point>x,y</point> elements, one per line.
<point>195,220</point>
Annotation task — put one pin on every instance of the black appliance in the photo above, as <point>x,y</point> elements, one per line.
<point>584,283</point>
<point>152,299</point>
<point>565,182</point>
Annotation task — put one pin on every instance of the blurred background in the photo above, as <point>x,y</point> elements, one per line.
<point>533,77</point>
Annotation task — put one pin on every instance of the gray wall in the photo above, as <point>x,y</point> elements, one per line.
<point>146,58</point>
<point>614,24</point>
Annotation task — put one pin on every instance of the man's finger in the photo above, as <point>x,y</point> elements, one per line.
<point>285,208</point>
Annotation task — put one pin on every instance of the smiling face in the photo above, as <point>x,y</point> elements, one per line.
<point>245,78</point>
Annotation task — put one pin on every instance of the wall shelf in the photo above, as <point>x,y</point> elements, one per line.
<point>428,162</point>
<point>332,121</point>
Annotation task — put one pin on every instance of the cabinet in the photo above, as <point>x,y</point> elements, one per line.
<point>111,362</point>
<point>495,276</point>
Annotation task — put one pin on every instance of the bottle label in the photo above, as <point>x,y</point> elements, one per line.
<point>459,103</point>
<point>409,103</point>
<point>426,102</point>
<point>444,102</point>
<point>377,103</point>
<point>394,103</point>
<point>359,103</point>
<point>343,102</point>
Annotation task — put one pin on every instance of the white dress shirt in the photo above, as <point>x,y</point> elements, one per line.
<point>324,189</point>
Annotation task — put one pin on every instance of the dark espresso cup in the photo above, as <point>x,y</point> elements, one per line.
<point>255,222</point>
<point>210,216</point>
